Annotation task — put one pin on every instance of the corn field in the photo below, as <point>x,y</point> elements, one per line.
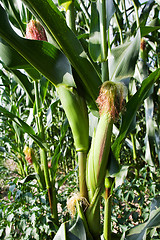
<point>80,119</point>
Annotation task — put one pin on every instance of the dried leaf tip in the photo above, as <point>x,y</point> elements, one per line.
<point>35,31</point>
<point>111,99</point>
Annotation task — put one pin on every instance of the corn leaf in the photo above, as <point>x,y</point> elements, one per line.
<point>73,231</point>
<point>61,234</point>
<point>140,232</point>
<point>95,35</point>
<point>131,108</point>
<point>25,127</point>
<point>11,58</point>
<point>68,42</point>
<point>77,231</point>
<point>12,8</point>
<point>148,29</point>
<point>42,55</point>
<point>64,3</point>
<point>95,38</point>
<point>23,81</point>
<point>122,59</point>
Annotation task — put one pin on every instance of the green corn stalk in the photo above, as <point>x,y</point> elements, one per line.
<point>107,209</point>
<point>35,31</point>
<point>111,102</point>
<point>77,114</point>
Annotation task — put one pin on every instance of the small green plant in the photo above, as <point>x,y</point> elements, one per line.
<point>26,213</point>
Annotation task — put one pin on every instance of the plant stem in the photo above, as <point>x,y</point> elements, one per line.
<point>105,72</point>
<point>21,167</point>
<point>50,187</point>
<point>43,157</point>
<point>38,116</point>
<point>82,156</point>
<point>107,215</point>
<point>119,28</point>
<point>54,203</point>
<point>38,170</point>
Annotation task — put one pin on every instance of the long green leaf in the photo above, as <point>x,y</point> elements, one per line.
<point>77,231</point>
<point>25,127</point>
<point>61,234</point>
<point>12,8</point>
<point>148,29</point>
<point>42,55</point>
<point>95,38</point>
<point>131,108</point>
<point>122,59</point>
<point>71,232</point>
<point>95,35</point>
<point>140,232</point>
<point>68,42</point>
<point>11,58</point>
<point>24,83</point>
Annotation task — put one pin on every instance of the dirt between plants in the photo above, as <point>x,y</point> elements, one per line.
<point>11,165</point>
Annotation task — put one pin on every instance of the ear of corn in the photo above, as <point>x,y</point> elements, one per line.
<point>35,31</point>
<point>98,156</point>
<point>76,112</point>
<point>111,102</point>
<point>31,159</point>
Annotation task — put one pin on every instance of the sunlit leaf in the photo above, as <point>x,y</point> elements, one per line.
<point>77,231</point>
<point>131,108</point>
<point>147,29</point>
<point>95,34</point>
<point>68,42</point>
<point>42,55</point>
<point>61,234</point>
<point>95,38</point>
<point>122,59</point>
<point>65,3</point>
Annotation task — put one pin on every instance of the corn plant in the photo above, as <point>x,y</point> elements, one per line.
<point>90,56</point>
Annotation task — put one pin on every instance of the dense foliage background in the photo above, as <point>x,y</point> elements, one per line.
<point>133,28</point>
